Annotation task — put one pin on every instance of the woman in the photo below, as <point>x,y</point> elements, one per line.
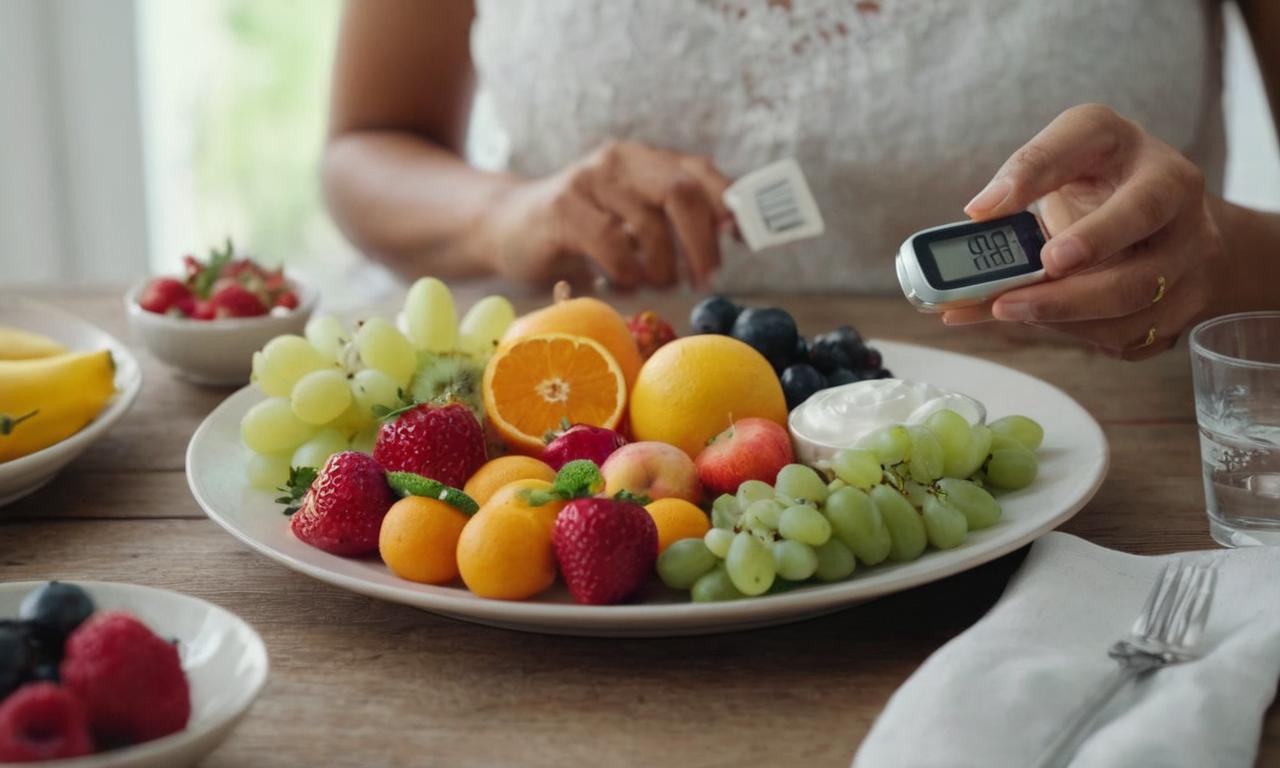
<point>628,118</point>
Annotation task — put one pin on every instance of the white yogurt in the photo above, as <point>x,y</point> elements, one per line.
<point>841,416</point>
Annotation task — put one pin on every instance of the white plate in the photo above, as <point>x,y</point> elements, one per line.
<point>25,475</point>
<point>224,658</point>
<point>1073,462</point>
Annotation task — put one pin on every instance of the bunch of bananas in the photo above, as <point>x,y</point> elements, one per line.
<point>47,392</point>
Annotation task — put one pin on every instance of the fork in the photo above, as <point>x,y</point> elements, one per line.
<point>1166,632</point>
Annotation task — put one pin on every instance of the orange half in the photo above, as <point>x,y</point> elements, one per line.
<point>533,384</point>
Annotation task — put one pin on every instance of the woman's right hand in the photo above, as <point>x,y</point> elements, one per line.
<point>631,210</point>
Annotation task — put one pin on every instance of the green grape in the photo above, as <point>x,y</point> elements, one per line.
<point>977,455</point>
<point>1004,441</point>
<point>800,484</point>
<point>906,529</point>
<point>794,560</point>
<point>858,525</point>
<point>835,561</point>
<point>365,439</point>
<point>763,515</point>
<point>271,427</point>
<point>1012,468</point>
<point>805,524</point>
<point>429,316</point>
<point>944,525</point>
<point>718,541</point>
<point>372,387</point>
<point>267,472</point>
<point>318,449</point>
<point>750,564</point>
<point>291,357</point>
<point>483,325</point>
<point>725,511</point>
<point>328,335</point>
<point>980,508</point>
<point>835,485</point>
<point>915,493</point>
<point>955,436</point>
<point>753,490</point>
<point>383,347</point>
<point>714,587</point>
<point>891,445</point>
<point>320,396</point>
<point>1020,428</point>
<point>684,562</point>
<point>926,455</point>
<point>858,468</point>
<point>266,378</point>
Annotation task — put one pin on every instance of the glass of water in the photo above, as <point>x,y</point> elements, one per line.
<point>1236,363</point>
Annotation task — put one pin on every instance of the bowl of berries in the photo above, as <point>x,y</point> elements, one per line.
<point>102,675</point>
<point>207,323</point>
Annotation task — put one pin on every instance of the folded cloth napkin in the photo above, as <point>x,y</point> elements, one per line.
<point>996,694</point>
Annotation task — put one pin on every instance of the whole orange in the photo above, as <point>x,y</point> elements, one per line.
<point>505,550</point>
<point>419,540</point>
<point>583,317</point>
<point>677,519</point>
<point>512,495</point>
<point>502,470</point>
<point>693,388</point>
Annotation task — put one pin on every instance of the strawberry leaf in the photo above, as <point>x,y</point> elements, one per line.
<point>300,480</point>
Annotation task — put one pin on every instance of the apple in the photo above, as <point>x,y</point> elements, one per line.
<point>750,449</point>
<point>653,469</point>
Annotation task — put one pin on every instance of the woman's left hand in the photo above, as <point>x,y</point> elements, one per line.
<point>1134,256</point>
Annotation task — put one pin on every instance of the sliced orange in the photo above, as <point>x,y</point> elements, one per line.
<point>533,384</point>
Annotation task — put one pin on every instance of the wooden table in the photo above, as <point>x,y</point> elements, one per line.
<point>358,682</point>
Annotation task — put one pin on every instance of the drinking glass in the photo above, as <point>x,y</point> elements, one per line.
<point>1235,360</point>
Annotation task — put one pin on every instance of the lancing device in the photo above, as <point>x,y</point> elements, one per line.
<point>970,262</point>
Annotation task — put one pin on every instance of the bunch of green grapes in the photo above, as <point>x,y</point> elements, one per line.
<point>906,489</point>
<point>326,389</point>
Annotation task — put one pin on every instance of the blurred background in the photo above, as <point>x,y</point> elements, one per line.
<point>134,131</point>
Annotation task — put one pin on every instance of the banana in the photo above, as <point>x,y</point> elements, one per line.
<point>17,344</point>
<point>48,399</point>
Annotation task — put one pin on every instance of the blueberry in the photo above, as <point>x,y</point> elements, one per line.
<point>771,331</point>
<point>849,337</point>
<point>801,355</point>
<point>46,671</point>
<point>799,382</point>
<point>828,354</point>
<point>54,610</point>
<point>842,376</point>
<point>883,373</point>
<point>714,314</point>
<point>15,656</point>
<point>871,358</point>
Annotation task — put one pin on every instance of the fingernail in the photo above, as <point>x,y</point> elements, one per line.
<point>994,194</point>
<point>1011,310</point>
<point>1066,255</point>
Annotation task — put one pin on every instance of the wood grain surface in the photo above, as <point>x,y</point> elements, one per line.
<point>358,682</point>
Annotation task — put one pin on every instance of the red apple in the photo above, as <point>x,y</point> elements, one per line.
<point>750,449</point>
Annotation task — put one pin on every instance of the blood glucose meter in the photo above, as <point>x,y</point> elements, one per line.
<point>971,262</point>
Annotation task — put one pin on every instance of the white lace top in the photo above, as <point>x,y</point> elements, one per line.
<point>898,111</point>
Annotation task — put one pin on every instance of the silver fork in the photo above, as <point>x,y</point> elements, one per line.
<point>1165,633</point>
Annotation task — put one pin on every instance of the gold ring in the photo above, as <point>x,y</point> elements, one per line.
<point>1151,338</point>
<point>1160,284</point>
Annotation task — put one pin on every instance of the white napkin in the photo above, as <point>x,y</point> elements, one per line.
<point>998,692</point>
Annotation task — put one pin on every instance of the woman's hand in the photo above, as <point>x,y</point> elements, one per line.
<point>633,211</point>
<point>1134,256</point>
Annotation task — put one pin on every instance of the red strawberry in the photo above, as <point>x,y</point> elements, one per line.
<point>288,300</point>
<point>230,299</point>
<point>605,548</point>
<point>203,309</point>
<point>750,449</point>
<point>163,294</point>
<point>442,442</point>
<point>582,441</point>
<point>342,511</point>
<point>191,266</point>
<point>650,332</point>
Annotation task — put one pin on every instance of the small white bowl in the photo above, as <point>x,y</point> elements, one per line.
<point>224,658</point>
<point>217,352</point>
<point>24,475</point>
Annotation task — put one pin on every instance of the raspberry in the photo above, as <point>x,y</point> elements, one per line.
<point>41,721</point>
<point>130,680</point>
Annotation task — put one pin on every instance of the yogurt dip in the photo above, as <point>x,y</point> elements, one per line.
<point>842,416</point>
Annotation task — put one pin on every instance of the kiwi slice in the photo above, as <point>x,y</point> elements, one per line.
<point>411,484</point>
<point>449,377</point>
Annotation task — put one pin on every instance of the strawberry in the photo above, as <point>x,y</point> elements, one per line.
<point>234,300</point>
<point>750,449</point>
<point>606,549</point>
<point>650,332</point>
<point>442,442</point>
<point>286,299</point>
<point>203,309</point>
<point>342,510</point>
<point>163,294</point>
<point>582,441</point>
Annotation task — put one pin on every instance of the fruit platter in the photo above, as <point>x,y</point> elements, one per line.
<point>575,471</point>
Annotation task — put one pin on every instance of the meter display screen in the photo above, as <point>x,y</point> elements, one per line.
<point>980,252</point>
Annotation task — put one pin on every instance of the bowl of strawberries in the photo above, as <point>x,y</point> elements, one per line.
<point>206,323</point>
